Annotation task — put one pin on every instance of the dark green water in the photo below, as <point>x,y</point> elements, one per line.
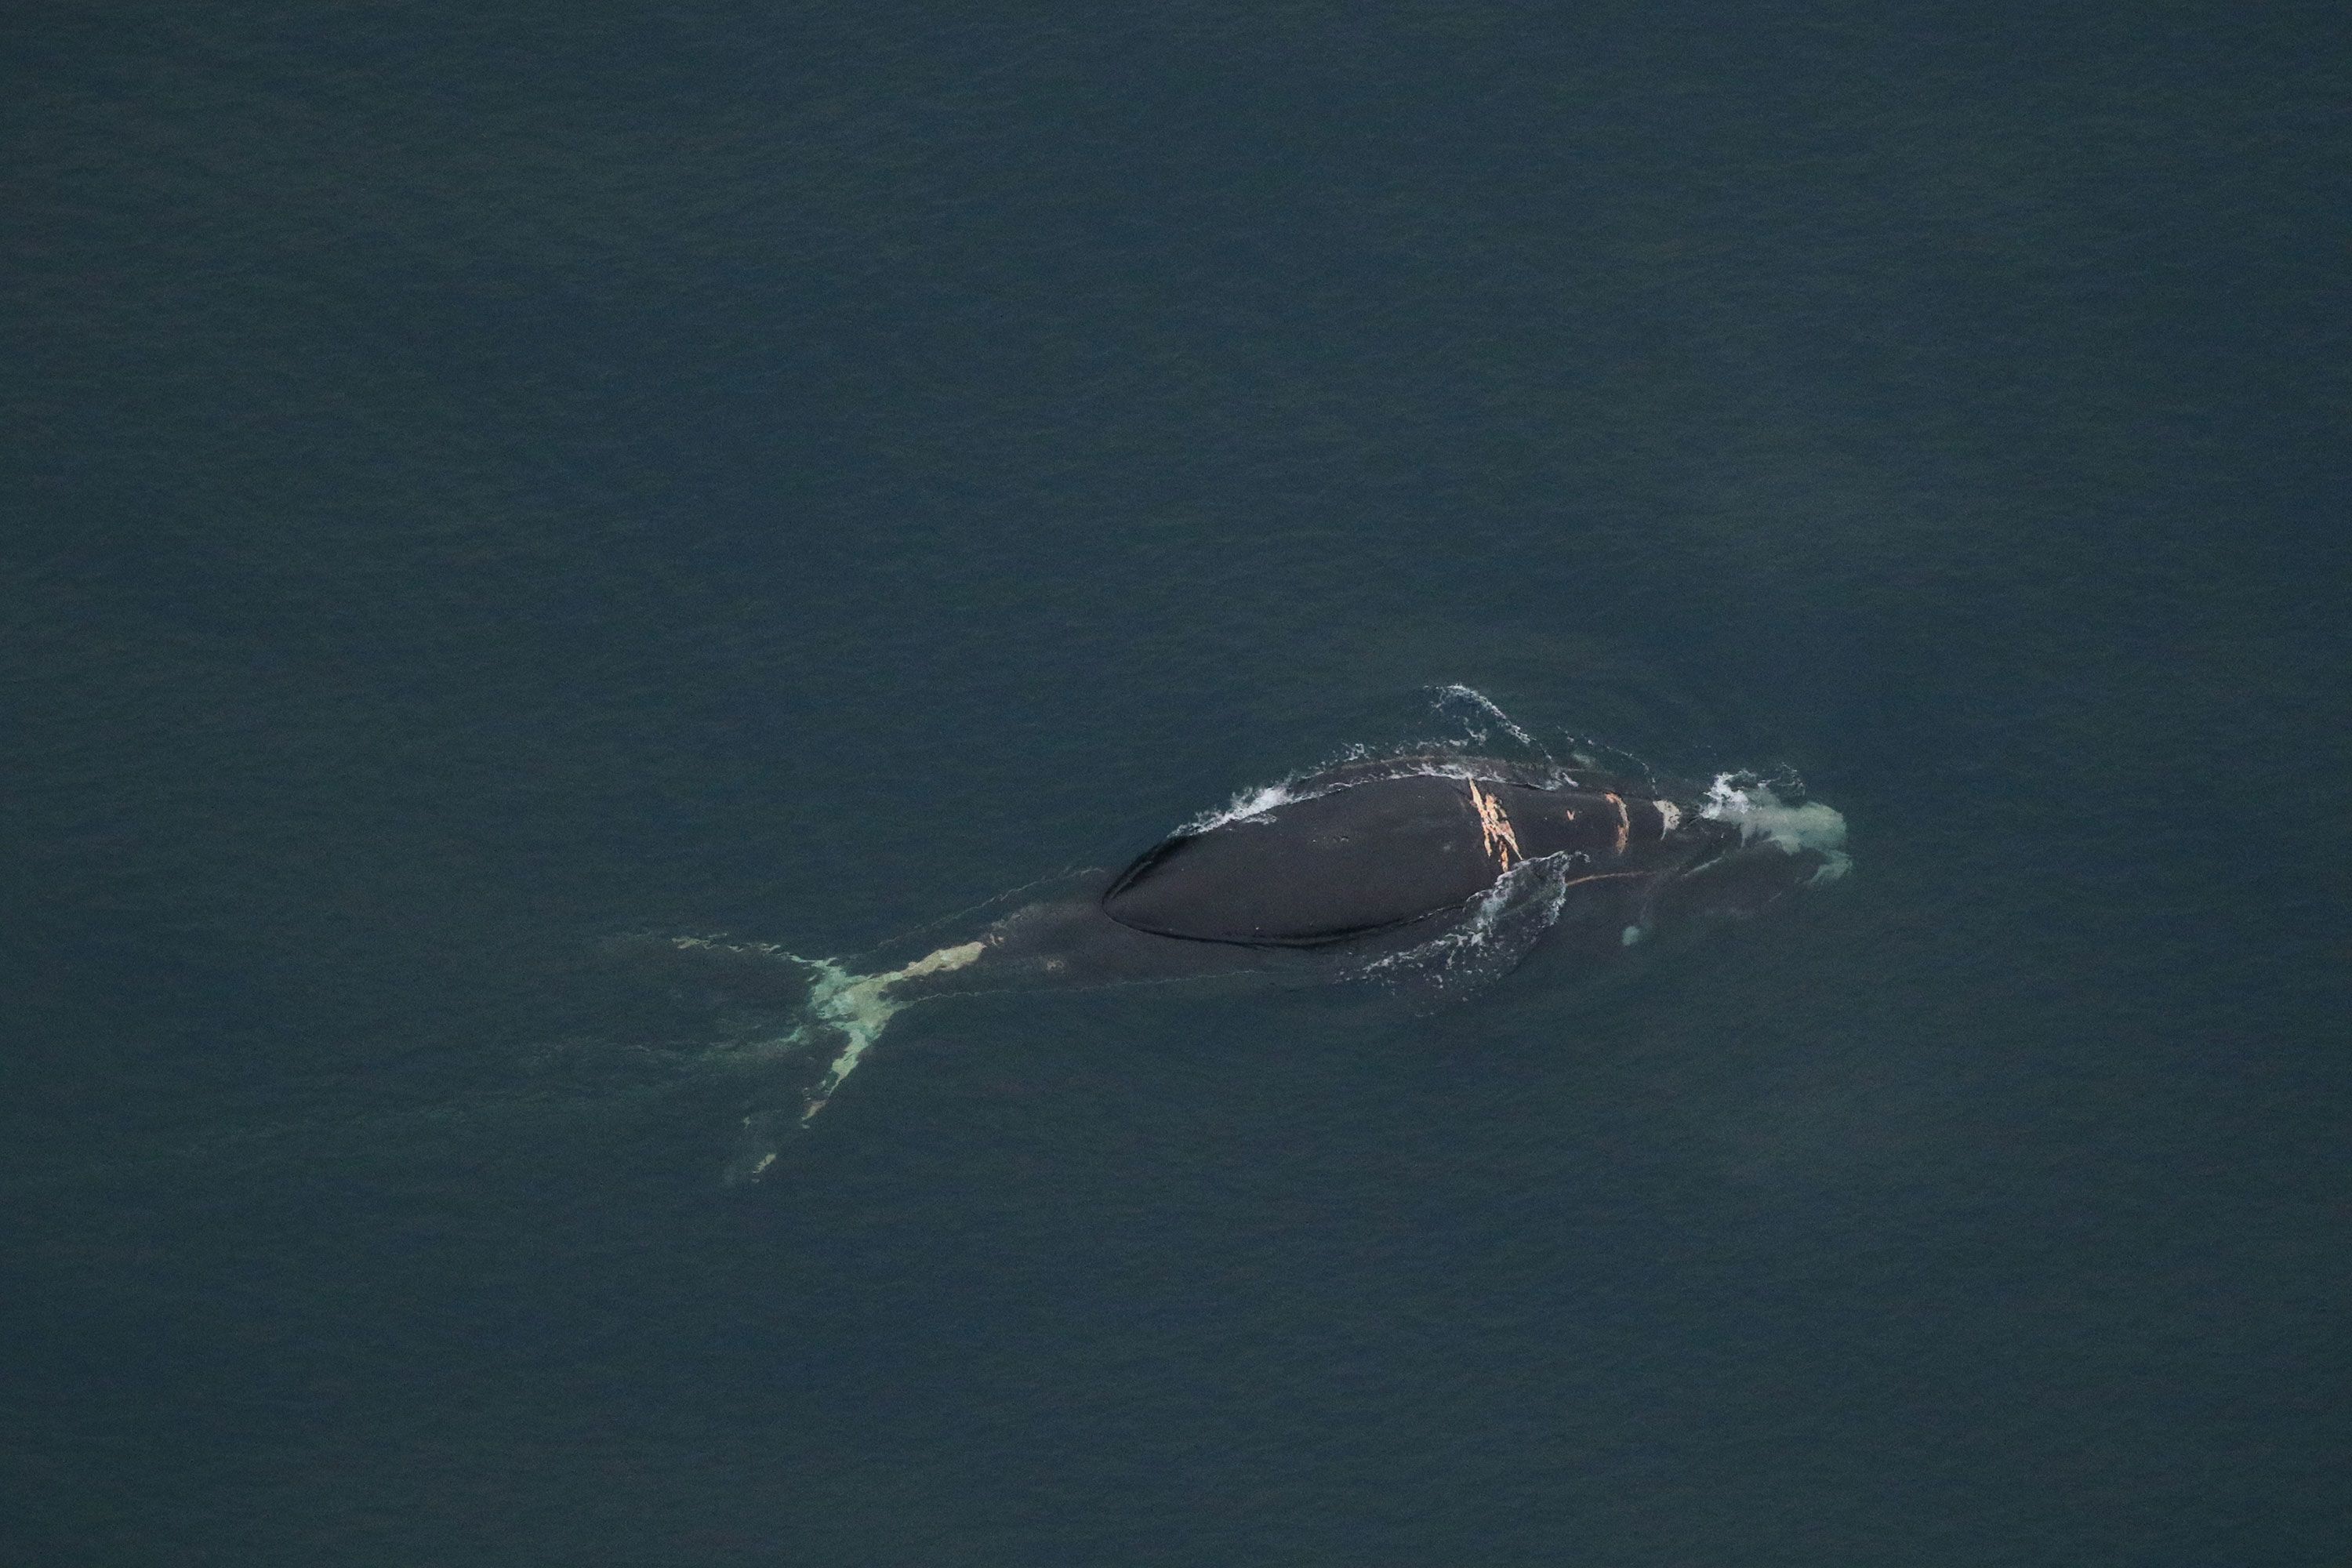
<point>477,485</point>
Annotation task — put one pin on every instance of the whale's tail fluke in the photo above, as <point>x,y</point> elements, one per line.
<point>837,1015</point>
<point>845,1013</point>
<point>855,1007</point>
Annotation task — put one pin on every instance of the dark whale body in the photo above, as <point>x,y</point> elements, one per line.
<point>1369,850</point>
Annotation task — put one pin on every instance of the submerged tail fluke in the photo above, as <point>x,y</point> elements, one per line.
<point>858,1006</point>
<point>849,1010</point>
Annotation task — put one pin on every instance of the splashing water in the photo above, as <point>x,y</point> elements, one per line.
<point>1508,919</point>
<point>1472,698</point>
<point>1248,804</point>
<point>1749,802</point>
<point>1251,804</point>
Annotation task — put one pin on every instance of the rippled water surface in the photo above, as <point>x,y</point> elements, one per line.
<point>479,485</point>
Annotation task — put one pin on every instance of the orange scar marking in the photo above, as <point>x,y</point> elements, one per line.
<point>1493,827</point>
<point>1624,820</point>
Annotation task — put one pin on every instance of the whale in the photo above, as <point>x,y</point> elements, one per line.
<point>1430,868</point>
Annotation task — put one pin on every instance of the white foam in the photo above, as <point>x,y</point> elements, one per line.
<point>1485,704</point>
<point>1250,802</point>
<point>1428,759</point>
<point>1507,919</point>
<point>1257,801</point>
<point>1793,829</point>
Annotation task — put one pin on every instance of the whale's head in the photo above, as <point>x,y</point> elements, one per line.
<point>1753,847</point>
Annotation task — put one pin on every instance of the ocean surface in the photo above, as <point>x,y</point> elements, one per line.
<point>482,482</point>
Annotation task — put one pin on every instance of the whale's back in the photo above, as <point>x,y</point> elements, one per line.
<point>1314,871</point>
